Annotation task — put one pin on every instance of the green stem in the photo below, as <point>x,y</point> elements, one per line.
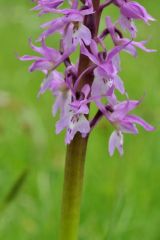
<point>75,159</point>
<point>72,191</point>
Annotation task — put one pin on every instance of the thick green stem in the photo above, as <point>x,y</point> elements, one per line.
<point>73,182</point>
<point>75,158</point>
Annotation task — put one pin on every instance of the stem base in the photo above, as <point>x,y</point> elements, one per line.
<point>72,190</point>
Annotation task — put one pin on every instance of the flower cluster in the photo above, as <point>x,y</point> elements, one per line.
<point>94,77</point>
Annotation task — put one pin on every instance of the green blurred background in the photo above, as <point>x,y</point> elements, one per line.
<point>121,194</point>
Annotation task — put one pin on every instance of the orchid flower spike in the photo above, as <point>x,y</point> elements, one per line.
<point>99,82</point>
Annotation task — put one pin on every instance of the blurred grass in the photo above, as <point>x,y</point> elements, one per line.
<point>121,195</point>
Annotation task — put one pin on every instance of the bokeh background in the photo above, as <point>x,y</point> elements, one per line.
<point>121,194</point>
